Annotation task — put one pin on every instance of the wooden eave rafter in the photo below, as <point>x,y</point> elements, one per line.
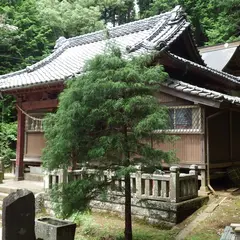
<point>57,86</point>
<point>191,98</point>
<point>191,47</point>
<point>41,104</point>
<point>168,60</point>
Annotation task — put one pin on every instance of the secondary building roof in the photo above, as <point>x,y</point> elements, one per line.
<point>219,56</point>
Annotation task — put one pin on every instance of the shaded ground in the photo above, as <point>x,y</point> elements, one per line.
<point>99,226</point>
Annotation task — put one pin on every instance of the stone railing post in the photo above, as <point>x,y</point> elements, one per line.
<point>63,176</point>
<point>194,171</point>
<point>55,177</point>
<point>138,184</point>
<point>46,181</point>
<point>174,184</point>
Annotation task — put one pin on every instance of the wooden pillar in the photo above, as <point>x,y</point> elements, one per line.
<point>19,173</point>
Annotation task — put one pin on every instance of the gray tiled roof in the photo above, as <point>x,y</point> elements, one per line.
<point>226,76</point>
<point>201,92</point>
<point>71,54</point>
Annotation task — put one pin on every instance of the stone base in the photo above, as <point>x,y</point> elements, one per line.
<point>19,175</point>
<point>34,177</point>
<point>203,191</point>
<point>18,178</point>
<point>153,211</point>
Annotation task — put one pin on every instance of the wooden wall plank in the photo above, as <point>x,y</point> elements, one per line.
<point>188,148</point>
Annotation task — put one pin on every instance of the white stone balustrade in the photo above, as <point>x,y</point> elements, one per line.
<point>172,187</point>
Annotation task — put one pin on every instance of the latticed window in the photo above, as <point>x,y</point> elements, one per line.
<point>185,119</point>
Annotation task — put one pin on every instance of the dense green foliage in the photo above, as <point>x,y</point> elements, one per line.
<point>7,139</point>
<point>107,118</point>
<point>214,21</point>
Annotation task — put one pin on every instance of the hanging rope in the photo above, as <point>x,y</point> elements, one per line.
<point>29,116</point>
<point>32,123</point>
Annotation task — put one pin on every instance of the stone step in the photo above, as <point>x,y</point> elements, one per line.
<point>33,177</point>
<point>7,189</point>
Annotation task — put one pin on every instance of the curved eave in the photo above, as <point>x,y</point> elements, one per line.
<point>218,77</point>
<point>198,94</point>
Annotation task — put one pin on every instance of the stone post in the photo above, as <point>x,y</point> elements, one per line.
<point>194,171</point>
<point>174,184</point>
<point>46,180</point>
<point>204,188</point>
<point>63,176</point>
<point>138,184</point>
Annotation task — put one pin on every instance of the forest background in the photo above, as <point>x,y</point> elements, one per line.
<point>29,30</point>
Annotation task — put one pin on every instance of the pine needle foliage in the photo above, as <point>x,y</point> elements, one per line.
<point>107,117</point>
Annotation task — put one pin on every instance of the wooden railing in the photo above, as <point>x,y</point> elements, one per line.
<point>173,187</point>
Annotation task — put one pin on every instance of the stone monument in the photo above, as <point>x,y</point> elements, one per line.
<point>18,215</point>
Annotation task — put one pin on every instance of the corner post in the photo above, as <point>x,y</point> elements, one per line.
<point>174,184</point>
<point>204,188</point>
<point>20,146</point>
<point>194,171</point>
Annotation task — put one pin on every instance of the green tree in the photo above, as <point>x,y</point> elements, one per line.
<point>144,5</point>
<point>30,42</point>
<point>70,18</point>
<point>108,116</point>
<point>213,21</point>
<point>116,12</point>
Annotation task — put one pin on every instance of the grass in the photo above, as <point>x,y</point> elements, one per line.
<point>99,226</point>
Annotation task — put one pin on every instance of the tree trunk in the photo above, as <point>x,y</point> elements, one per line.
<point>128,214</point>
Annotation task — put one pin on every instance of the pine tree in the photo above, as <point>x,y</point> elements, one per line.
<point>108,116</point>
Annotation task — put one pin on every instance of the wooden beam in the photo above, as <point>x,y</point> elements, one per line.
<point>20,146</point>
<point>41,104</point>
<point>56,86</point>
<point>195,99</point>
